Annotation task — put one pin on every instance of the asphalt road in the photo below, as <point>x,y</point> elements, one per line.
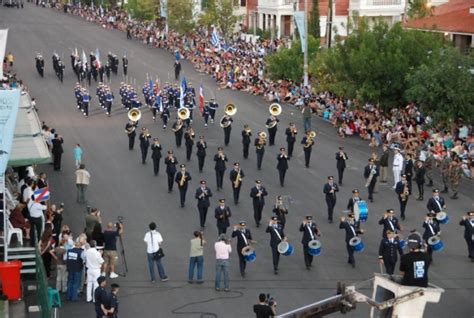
<point>121,185</point>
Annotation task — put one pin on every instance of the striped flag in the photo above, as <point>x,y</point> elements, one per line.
<point>97,56</point>
<point>201,99</point>
<point>215,39</point>
<point>41,194</point>
<point>182,90</point>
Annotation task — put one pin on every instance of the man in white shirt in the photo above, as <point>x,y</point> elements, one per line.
<point>94,263</point>
<point>36,219</point>
<point>153,239</point>
<point>397,166</point>
<point>222,248</point>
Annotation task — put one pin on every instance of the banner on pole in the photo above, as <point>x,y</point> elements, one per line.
<point>9,101</point>
<point>164,8</point>
<point>299,19</point>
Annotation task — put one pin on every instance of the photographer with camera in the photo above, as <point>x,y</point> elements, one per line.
<point>92,218</point>
<point>266,307</point>
<point>111,233</point>
<point>196,257</point>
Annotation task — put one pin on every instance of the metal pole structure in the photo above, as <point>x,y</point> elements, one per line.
<point>305,66</point>
<point>329,24</point>
<point>255,15</point>
<point>5,228</point>
<point>295,2</point>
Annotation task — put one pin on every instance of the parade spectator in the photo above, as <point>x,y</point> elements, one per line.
<point>153,240</point>
<point>19,221</point>
<point>94,263</point>
<point>82,181</point>
<point>45,247</point>
<point>110,248</point>
<point>92,219</point>
<point>196,257</point>
<point>61,271</point>
<point>74,265</point>
<point>36,218</point>
<point>78,155</point>
<point>222,249</point>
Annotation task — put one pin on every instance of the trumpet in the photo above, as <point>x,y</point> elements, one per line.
<point>183,113</point>
<point>134,114</point>
<point>293,131</point>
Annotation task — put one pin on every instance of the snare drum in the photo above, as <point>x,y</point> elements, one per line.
<point>363,211</point>
<point>436,243</point>
<point>442,217</point>
<point>285,248</point>
<point>314,247</point>
<point>357,244</point>
<point>249,254</point>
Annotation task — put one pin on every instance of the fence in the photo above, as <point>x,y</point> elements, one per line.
<point>42,287</point>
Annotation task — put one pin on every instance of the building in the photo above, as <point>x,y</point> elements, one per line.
<point>278,14</point>
<point>455,19</point>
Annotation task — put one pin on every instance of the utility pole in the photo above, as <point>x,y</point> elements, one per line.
<point>305,66</point>
<point>329,25</point>
<point>295,3</point>
<point>255,15</point>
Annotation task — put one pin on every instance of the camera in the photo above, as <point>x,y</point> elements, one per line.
<point>270,300</point>
<point>61,205</point>
<point>88,209</point>
<point>120,219</point>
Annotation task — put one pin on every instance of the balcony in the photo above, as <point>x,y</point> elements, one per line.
<point>374,8</point>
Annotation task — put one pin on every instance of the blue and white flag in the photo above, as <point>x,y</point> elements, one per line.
<point>215,40</point>
<point>182,90</point>
<point>9,102</point>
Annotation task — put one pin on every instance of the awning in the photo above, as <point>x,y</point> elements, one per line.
<point>29,146</point>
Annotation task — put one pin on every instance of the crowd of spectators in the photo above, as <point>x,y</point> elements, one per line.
<point>239,65</point>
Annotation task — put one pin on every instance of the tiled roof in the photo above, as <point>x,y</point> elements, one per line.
<point>453,16</point>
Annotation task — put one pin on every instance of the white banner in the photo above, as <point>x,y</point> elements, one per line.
<point>299,19</point>
<point>3,45</point>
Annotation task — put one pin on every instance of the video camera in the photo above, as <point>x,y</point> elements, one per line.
<point>119,221</point>
<point>270,300</point>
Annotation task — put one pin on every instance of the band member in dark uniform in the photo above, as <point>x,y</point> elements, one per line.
<point>226,124</point>
<point>271,124</point>
<point>436,203</point>
<point>170,162</point>
<point>236,175</point>
<point>389,222</point>
<point>408,167</point>
<point>125,65</point>
<point>40,64</point>
<point>260,143</point>
<point>203,193</point>
<point>201,152</point>
<point>353,229</point>
<point>307,143</point>
<point>420,179</point>
<point>182,179</point>
<point>222,213</point>
<point>432,228</point>
<point>310,231</point>
<point>341,158</point>
<point>189,141</point>
<point>352,201</point>
<point>330,189</point>
<point>220,158</point>
<point>57,151</point>
<point>144,143</point>
<point>291,133</point>
<point>246,135</point>
<point>130,128</point>
<point>282,165</point>
<point>206,113</point>
<point>402,189</point>
<point>177,69</point>
<point>156,155</point>
<point>388,251</point>
<point>468,223</point>
<point>178,131</point>
<point>280,211</point>
<point>258,194</point>
<point>371,172</point>
<point>244,238</point>
<point>212,109</point>
<point>276,237</point>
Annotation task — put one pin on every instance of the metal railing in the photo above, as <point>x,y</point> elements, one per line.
<point>42,287</point>
<point>383,2</point>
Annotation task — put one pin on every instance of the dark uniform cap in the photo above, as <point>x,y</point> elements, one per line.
<point>258,181</point>
<point>470,213</point>
<point>309,217</point>
<point>350,215</point>
<point>155,139</point>
<point>182,165</point>
<point>330,178</point>
<point>355,191</point>
<point>282,149</point>
<point>414,241</point>
<point>236,164</point>
<point>220,148</point>
<point>435,190</point>
<point>243,223</point>
<point>430,214</point>
<point>404,175</point>
<point>391,211</point>
<point>170,152</point>
<point>203,182</point>
<point>390,232</point>
<point>221,200</point>
<point>371,160</point>
<point>274,218</point>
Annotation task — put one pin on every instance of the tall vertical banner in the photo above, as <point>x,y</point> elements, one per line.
<point>9,102</point>
<point>299,19</point>
<point>164,8</point>
<point>3,45</point>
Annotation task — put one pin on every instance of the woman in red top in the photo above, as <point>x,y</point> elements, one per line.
<point>18,220</point>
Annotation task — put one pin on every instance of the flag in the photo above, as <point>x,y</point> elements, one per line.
<point>150,85</point>
<point>41,194</point>
<point>84,59</point>
<point>201,99</point>
<point>182,90</point>
<point>215,39</point>
<point>97,56</point>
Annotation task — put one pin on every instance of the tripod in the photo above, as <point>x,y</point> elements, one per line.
<point>123,259</point>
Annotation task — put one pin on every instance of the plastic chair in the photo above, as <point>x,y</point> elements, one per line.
<point>18,232</point>
<point>54,299</point>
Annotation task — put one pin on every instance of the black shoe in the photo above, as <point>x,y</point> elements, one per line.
<point>353,265</point>
<point>330,221</point>
<point>454,196</point>
<point>307,267</point>
<point>403,218</point>
<point>430,184</point>
<point>242,274</point>
<point>258,224</point>
<point>275,272</point>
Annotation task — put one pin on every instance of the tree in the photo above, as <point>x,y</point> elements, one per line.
<point>444,87</point>
<point>209,16</point>
<point>419,8</point>
<point>372,63</point>
<point>220,14</point>
<point>180,15</point>
<point>143,10</point>
<point>314,27</point>
<point>288,63</point>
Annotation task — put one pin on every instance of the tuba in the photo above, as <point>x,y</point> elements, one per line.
<point>183,113</point>
<point>275,109</point>
<point>134,114</point>
<point>230,109</point>
<point>312,134</point>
